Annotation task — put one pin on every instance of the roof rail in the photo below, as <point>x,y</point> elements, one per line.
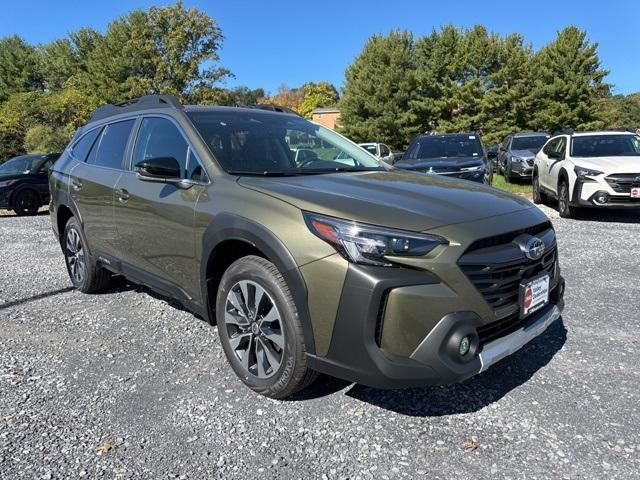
<point>274,108</point>
<point>134,104</point>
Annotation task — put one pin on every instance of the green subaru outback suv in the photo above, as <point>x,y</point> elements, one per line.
<point>308,253</point>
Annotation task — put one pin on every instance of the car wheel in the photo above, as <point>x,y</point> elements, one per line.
<point>85,275</point>
<point>537,193</point>
<point>260,330</point>
<point>27,202</point>
<point>564,208</point>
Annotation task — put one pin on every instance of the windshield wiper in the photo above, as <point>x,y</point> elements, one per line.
<point>302,171</point>
<point>265,173</point>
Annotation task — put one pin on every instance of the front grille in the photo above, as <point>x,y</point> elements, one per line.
<point>498,329</point>
<point>508,237</point>
<point>622,182</point>
<point>626,200</point>
<point>498,269</point>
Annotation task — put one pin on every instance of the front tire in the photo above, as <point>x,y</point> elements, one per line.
<point>260,329</point>
<point>27,202</point>
<point>537,193</point>
<point>564,208</point>
<point>85,275</point>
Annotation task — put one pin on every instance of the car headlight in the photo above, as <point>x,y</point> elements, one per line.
<point>586,172</point>
<point>7,183</point>
<point>518,159</point>
<point>476,168</point>
<point>368,244</point>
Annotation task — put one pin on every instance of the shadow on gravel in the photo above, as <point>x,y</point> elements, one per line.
<point>469,396</point>
<point>33,298</point>
<point>475,393</point>
<point>605,215</point>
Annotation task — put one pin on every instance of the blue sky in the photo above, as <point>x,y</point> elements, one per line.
<point>273,42</point>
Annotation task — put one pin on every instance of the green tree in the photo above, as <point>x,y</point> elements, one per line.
<point>317,95</point>
<point>18,67</point>
<point>567,86</point>
<point>622,111</point>
<point>378,92</point>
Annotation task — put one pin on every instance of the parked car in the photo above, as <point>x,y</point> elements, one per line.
<point>24,184</point>
<point>456,155</point>
<point>592,169</point>
<point>517,152</point>
<point>373,274</point>
<point>379,150</point>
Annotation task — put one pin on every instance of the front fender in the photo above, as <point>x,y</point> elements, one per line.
<point>227,226</point>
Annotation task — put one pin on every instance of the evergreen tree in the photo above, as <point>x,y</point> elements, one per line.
<point>567,84</point>
<point>18,67</point>
<point>380,86</point>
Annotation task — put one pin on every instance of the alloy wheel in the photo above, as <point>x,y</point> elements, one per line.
<point>254,328</point>
<point>75,256</point>
<point>27,202</point>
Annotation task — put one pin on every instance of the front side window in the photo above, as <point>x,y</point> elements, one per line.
<point>264,143</point>
<point>23,164</point>
<point>551,146</point>
<point>605,146</point>
<point>108,150</point>
<point>159,137</point>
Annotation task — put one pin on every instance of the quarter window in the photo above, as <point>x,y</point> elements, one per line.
<point>81,148</point>
<point>109,150</point>
<point>159,137</point>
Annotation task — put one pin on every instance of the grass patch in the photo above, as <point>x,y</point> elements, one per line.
<point>519,187</point>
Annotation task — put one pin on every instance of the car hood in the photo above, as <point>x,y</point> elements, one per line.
<point>398,199</point>
<point>609,165</point>
<point>440,164</point>
<point>524,153</point>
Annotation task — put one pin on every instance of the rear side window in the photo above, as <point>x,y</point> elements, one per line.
<point>81,148</point>
<point>159,137</point>
<point>109,150</point>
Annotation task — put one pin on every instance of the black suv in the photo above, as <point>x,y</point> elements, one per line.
<point>24,186</point>
<point>456,155</point>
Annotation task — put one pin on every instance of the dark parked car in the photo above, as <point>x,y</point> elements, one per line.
<point>24,184</point>
<point>456,155</point>
<point>517,153</point>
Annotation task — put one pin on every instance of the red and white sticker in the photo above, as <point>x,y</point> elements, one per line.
<point>635,193</point>
<point>536,295</point>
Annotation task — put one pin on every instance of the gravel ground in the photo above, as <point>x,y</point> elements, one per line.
<point>128,385</point>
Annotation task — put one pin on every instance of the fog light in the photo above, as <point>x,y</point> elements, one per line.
<point>601,197</point>
<point>465,345</point>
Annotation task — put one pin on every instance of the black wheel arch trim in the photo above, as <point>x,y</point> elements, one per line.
<point>226,226</point>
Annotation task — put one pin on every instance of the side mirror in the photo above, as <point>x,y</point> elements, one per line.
<point>159,169</point>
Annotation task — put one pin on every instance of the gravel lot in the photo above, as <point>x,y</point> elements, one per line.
<point>127,385</point>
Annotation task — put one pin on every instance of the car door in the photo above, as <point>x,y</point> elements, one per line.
<point>502,152</point>
<point>545,162</point>
<point>155,221</point>
<point>385,152</point>
<point>99,158</point>
<point>42,178</point>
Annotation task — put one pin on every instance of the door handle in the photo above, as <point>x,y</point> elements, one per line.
<point>76,185</point>
<point>123,195</point>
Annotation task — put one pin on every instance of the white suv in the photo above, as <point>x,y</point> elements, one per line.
<point>595,169</point>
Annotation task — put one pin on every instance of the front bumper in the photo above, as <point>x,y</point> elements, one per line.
<point>524,170</point>
<point>356,353</point>
<point>586,193</point>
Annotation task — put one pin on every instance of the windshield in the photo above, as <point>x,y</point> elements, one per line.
<point>444,147</point>
<point>17,165</point>
<point>369,148</point>
<point>533,143</point>
<point>605,146</point>
<point>263,143</point>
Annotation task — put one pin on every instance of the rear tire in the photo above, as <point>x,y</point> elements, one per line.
<point>260,330</point>
<point>85,275</point>
<point>564,208</point>
<point>27,202</point>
